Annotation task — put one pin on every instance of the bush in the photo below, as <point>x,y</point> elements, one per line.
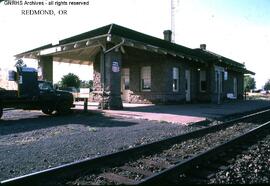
<point>267,85</point>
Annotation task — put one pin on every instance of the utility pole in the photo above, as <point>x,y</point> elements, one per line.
<point>174,5</point>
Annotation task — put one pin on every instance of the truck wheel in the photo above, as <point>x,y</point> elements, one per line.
<point>48,111</point>
<point>1,112</point>
<point>63,108</point>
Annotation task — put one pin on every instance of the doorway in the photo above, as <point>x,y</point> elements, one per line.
<point>235,87</point>
<point>187,80</point>
<point>125,78</point>
<point>218,85</point>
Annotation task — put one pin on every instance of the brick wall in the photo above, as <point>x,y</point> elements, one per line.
<point>161,79</point>
<point>96,94</point>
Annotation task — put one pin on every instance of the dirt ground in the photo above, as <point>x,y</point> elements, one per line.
<point>31,141</point>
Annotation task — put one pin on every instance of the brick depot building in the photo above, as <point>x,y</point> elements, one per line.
<point>133,67</point>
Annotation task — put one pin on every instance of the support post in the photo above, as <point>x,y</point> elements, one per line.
<point>85,105</point>
<point>112,81</point>
<point>45,64</point>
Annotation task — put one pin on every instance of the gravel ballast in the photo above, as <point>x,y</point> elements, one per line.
<point>31,141</point>
<point>250,167</point>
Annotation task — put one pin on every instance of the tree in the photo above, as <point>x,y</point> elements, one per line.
<point>267,85</point>
<point>249,83</point>
<point>70,80</point>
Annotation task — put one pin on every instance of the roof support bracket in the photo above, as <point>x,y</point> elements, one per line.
<point>116,46</point>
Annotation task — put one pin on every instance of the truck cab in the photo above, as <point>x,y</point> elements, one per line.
<point>34,95</point>
<point>51,100</point>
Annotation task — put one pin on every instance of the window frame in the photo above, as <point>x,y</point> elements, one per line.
<point>201,80</point>
<point>175,76</point>
<point>145,71</point>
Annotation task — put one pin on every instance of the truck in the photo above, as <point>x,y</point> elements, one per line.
<point>34,94</point>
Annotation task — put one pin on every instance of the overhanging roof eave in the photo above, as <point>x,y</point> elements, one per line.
<point>208,55</point>
<point>40,51</point>
<point>20,55</point>
<point>249,72</point>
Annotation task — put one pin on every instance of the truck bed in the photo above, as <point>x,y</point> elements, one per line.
<point>8,94</point>
<point>9,98</point>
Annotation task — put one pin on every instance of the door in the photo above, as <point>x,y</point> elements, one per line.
<point>187,80</point>
<point>235,87</point>
<point>125,84</point>
<point>218,85</point>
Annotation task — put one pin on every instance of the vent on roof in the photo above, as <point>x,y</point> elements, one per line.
<point>203,46</point>
<point>168,35</point>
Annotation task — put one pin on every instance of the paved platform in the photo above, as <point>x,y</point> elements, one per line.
<point>182,114</point>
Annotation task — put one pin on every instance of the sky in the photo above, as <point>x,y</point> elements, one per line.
<point>237,29</point>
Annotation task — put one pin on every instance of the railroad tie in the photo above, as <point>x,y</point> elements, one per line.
<point>118,179</point>
<point>202,174</point>
<point>136,170</point>
<point>159,163</point>
<point>174,160</point>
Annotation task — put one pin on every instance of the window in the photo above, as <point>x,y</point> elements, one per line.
<point>45,86</point>
<point>146,78</point>
<point>226,76</point>
<point>202,81</point>
<point>175,79</point>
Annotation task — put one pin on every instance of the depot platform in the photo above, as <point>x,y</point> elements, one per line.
<point>184,114</point>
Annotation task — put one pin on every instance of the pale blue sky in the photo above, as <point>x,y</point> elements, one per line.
<point>238,29</point>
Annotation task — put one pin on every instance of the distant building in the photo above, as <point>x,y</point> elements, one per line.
<point>4,83</point>
<point>133,67</point>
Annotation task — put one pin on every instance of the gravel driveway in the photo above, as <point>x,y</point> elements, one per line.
<point>31,141</point>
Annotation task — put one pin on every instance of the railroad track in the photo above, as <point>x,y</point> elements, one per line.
<point>158,162</point>
<point>200,168</point>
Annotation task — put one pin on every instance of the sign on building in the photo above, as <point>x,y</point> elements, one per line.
<point>115,66</point>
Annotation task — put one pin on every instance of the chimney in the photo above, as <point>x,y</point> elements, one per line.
<point>203,46</point>
<point>168,35</point>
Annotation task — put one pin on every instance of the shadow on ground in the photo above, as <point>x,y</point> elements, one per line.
<point>41,121</point>
<point>209,110</point>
